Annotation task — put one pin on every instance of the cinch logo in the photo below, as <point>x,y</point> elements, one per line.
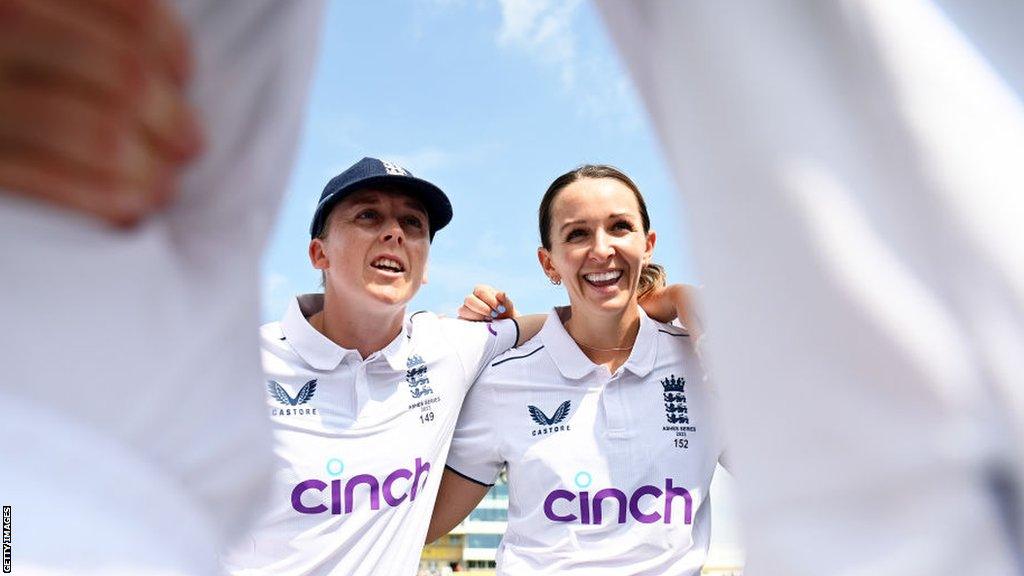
<point>395,488</point>
<point>541,418</point>
<point>585,508</point>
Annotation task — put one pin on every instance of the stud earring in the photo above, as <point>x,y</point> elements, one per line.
<point>555,281</point>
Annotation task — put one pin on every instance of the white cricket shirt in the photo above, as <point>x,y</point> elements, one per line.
<point>359,444</point>
<point>607,473</point>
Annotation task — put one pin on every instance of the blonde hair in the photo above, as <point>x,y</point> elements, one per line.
<point>652,277</point>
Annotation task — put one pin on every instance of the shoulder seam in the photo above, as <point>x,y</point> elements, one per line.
<point>539,348</point>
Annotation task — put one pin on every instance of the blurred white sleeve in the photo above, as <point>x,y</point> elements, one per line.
<point>129,355</point>
<point>853,174</point>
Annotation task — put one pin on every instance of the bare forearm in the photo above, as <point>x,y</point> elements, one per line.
<point>455,500</point>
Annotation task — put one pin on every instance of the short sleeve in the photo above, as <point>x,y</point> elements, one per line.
<point>479,343</point>
<point>476,447</point>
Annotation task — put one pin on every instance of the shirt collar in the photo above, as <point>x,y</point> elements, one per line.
<point>397,352</point>
<point>574,364</point>
<point>645,349</point>
<point>320,352</point>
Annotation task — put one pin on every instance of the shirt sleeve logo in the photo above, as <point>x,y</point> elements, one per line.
<point>304,395</point>
<point>550,424</point>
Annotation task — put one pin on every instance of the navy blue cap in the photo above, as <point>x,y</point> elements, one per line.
<point>370,172</point>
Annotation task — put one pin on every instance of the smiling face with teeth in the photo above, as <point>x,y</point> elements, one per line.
<point>598,245</point>
<point>374,250</point>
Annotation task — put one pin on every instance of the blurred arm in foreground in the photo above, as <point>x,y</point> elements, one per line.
<point>853,174</point>
<point>93,114</point>
<point>134,438</point>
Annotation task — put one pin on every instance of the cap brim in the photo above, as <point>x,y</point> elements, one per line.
<point>435,202</point>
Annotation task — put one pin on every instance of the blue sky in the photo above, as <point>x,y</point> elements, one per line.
<point>491,101</point>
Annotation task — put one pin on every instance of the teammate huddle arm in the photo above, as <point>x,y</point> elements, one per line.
<point>475,459</point>
<point>663,304</point>
<point>455,500</point>
<point>93,115</point>
<point>487,303</point>
<point>680,301</point>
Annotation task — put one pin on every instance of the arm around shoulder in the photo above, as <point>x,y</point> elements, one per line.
<point>529,326</point>
<point>675,301</point>
<point>456,498</point>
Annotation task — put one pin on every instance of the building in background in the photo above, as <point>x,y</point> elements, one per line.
<point>473,544</point>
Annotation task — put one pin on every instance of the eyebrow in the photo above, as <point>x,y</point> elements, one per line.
<point>610,217</point>
<point>368,199</point>
<point>362,198</point>
<point>415,205</point>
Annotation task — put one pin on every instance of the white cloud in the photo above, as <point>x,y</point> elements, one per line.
<point>610,98</point>
<point>544,29</point>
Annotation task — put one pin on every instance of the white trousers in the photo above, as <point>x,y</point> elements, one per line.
<point>853,173</point>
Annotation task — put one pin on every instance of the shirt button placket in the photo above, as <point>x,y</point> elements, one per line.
<point>615,409</point>
<point>362,388</point>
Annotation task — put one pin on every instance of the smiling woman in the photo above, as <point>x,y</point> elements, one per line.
<point>616,480</point>
<point>596,238</point>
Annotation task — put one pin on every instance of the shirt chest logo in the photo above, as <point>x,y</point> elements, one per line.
<point>346,496</point>
<point>552,424</point>
<point>677,413</point>
<point>418,380</point>
<point>303,396</point>
<point>416,376</point>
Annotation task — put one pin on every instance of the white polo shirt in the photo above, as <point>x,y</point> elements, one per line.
<point>359,444</point>
<point>607,473</point>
